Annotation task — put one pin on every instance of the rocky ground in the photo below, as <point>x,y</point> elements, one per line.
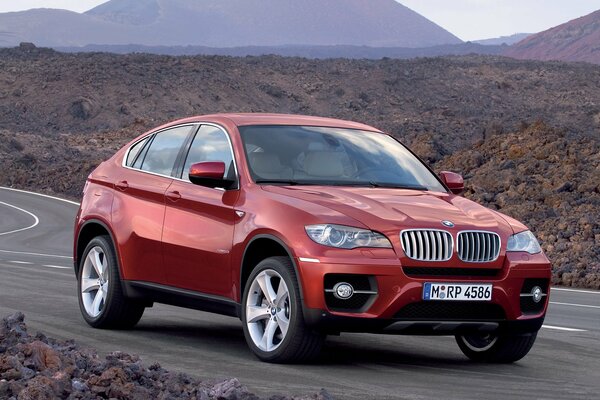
<point>524,134</point>
<point>550,179</point>
<point>41,368</point>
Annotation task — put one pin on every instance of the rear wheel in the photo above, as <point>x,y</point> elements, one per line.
<point>496,348</point>
<point>101,298</point>
<point>272,315</point>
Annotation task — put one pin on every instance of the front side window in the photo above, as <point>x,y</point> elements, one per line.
<point>210,144</point>
<point>164,149</point>
<point>306,155</point>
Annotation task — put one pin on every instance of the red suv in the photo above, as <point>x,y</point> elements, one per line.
<point>303,227</point>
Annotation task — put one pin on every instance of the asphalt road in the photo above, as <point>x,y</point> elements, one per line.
<point>36,277</point>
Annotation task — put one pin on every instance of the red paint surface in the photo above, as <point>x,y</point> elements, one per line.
<point>196,241</point>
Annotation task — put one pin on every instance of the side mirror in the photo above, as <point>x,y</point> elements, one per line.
<point>210,174</point>
<point>454,181</point>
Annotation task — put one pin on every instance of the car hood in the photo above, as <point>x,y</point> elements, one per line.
<point>385,210</point>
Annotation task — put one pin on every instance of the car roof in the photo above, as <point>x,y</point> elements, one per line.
<point>245,119</point>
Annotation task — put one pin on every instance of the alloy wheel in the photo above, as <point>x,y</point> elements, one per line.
<point>479,343</point>
<point>268,310</point>
<point>95,282</point>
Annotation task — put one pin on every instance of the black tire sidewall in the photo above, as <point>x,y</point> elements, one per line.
<point>296,317</point>
<point>111,263</point>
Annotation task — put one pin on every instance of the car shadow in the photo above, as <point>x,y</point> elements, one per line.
<point>388,351</point>
<point>345,350</point>
<point>196,334</point>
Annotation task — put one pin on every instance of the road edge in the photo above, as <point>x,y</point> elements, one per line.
<point>41,195</point>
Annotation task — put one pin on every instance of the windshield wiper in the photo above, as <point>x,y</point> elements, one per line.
<point>395,186</point>
<point>375,184</point>
<point>290,182</point>
<point>278,182</point>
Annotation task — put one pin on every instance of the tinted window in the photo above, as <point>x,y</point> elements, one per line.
<point>210,144</point>
<point>135,151</point>
<point>332,156</point>
<point>163,151</point>
<point>140,158</point>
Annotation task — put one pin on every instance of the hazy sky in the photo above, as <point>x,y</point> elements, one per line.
<point>467,19</point>
<point>482,19</point>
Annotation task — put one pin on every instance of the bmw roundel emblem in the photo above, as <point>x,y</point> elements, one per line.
<point>449,224</point>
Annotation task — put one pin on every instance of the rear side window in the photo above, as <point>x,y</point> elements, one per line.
<point>164,149</point>
<point>210,144</point>
<point>135,152</point>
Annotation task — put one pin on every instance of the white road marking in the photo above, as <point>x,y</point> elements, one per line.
<point>40,194</point>
<point>35,223</point>
<point>560,328</point>
<point>574,305</point>
<point>21,262</point>
<point>574,290</point>
<point>35,254</point>
<point>56,266</point>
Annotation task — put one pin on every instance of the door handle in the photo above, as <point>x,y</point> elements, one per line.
<point>122,185</point>
<point>173,196</point>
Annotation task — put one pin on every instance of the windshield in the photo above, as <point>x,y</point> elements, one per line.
<point>307,155</point>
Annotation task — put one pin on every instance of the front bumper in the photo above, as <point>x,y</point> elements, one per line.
<point>397,292</point>
<point>326,322</point>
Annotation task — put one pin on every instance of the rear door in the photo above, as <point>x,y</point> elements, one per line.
<point>139,202</point>
<point>198,228</point>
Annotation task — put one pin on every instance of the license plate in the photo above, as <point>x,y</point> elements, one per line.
<point>457,291</point>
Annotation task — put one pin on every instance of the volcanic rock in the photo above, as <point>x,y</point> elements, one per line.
<point>40,368</point>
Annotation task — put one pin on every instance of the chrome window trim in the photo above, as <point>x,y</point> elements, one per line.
<point>479,231</point>
<point>197,125</point>
<point>432,230</point>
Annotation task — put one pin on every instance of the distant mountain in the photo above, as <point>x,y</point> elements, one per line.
<point>317,52</point>
<point>228,23</point>
<point>50,27</point>
<point>576,40</point>
<point>508,40</point>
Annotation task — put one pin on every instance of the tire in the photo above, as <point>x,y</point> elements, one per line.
<point>496,348</point>
<point>101,299</point>
<point>273,323</point>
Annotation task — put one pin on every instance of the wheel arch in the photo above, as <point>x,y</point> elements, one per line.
<point>89,230</point>
<point>255,252</point>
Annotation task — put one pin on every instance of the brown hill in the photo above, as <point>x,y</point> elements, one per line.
<point>62,114</point>
<point>576,40</point>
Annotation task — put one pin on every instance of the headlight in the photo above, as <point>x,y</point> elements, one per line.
<point>524,241</point>
<point>346,237</point>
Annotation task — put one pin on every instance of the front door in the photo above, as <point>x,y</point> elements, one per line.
<point>198,228</point>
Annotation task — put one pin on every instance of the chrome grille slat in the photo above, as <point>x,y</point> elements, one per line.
<point>438,241</point>
<point>467,247</point>
<point>427,244</point>
<point>434,251</point>
<point>472,246</point>
<point>478,246</point>
<point>483,244</point>
<point>414,243</point>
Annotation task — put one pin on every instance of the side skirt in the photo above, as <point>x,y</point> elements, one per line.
<point>181,298</point>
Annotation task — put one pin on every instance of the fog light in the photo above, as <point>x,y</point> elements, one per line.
<point>343,290</point>
<point>537,294</point>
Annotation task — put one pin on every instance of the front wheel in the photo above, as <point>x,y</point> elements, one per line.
<point>496,348</point>
<point>272,315</point>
